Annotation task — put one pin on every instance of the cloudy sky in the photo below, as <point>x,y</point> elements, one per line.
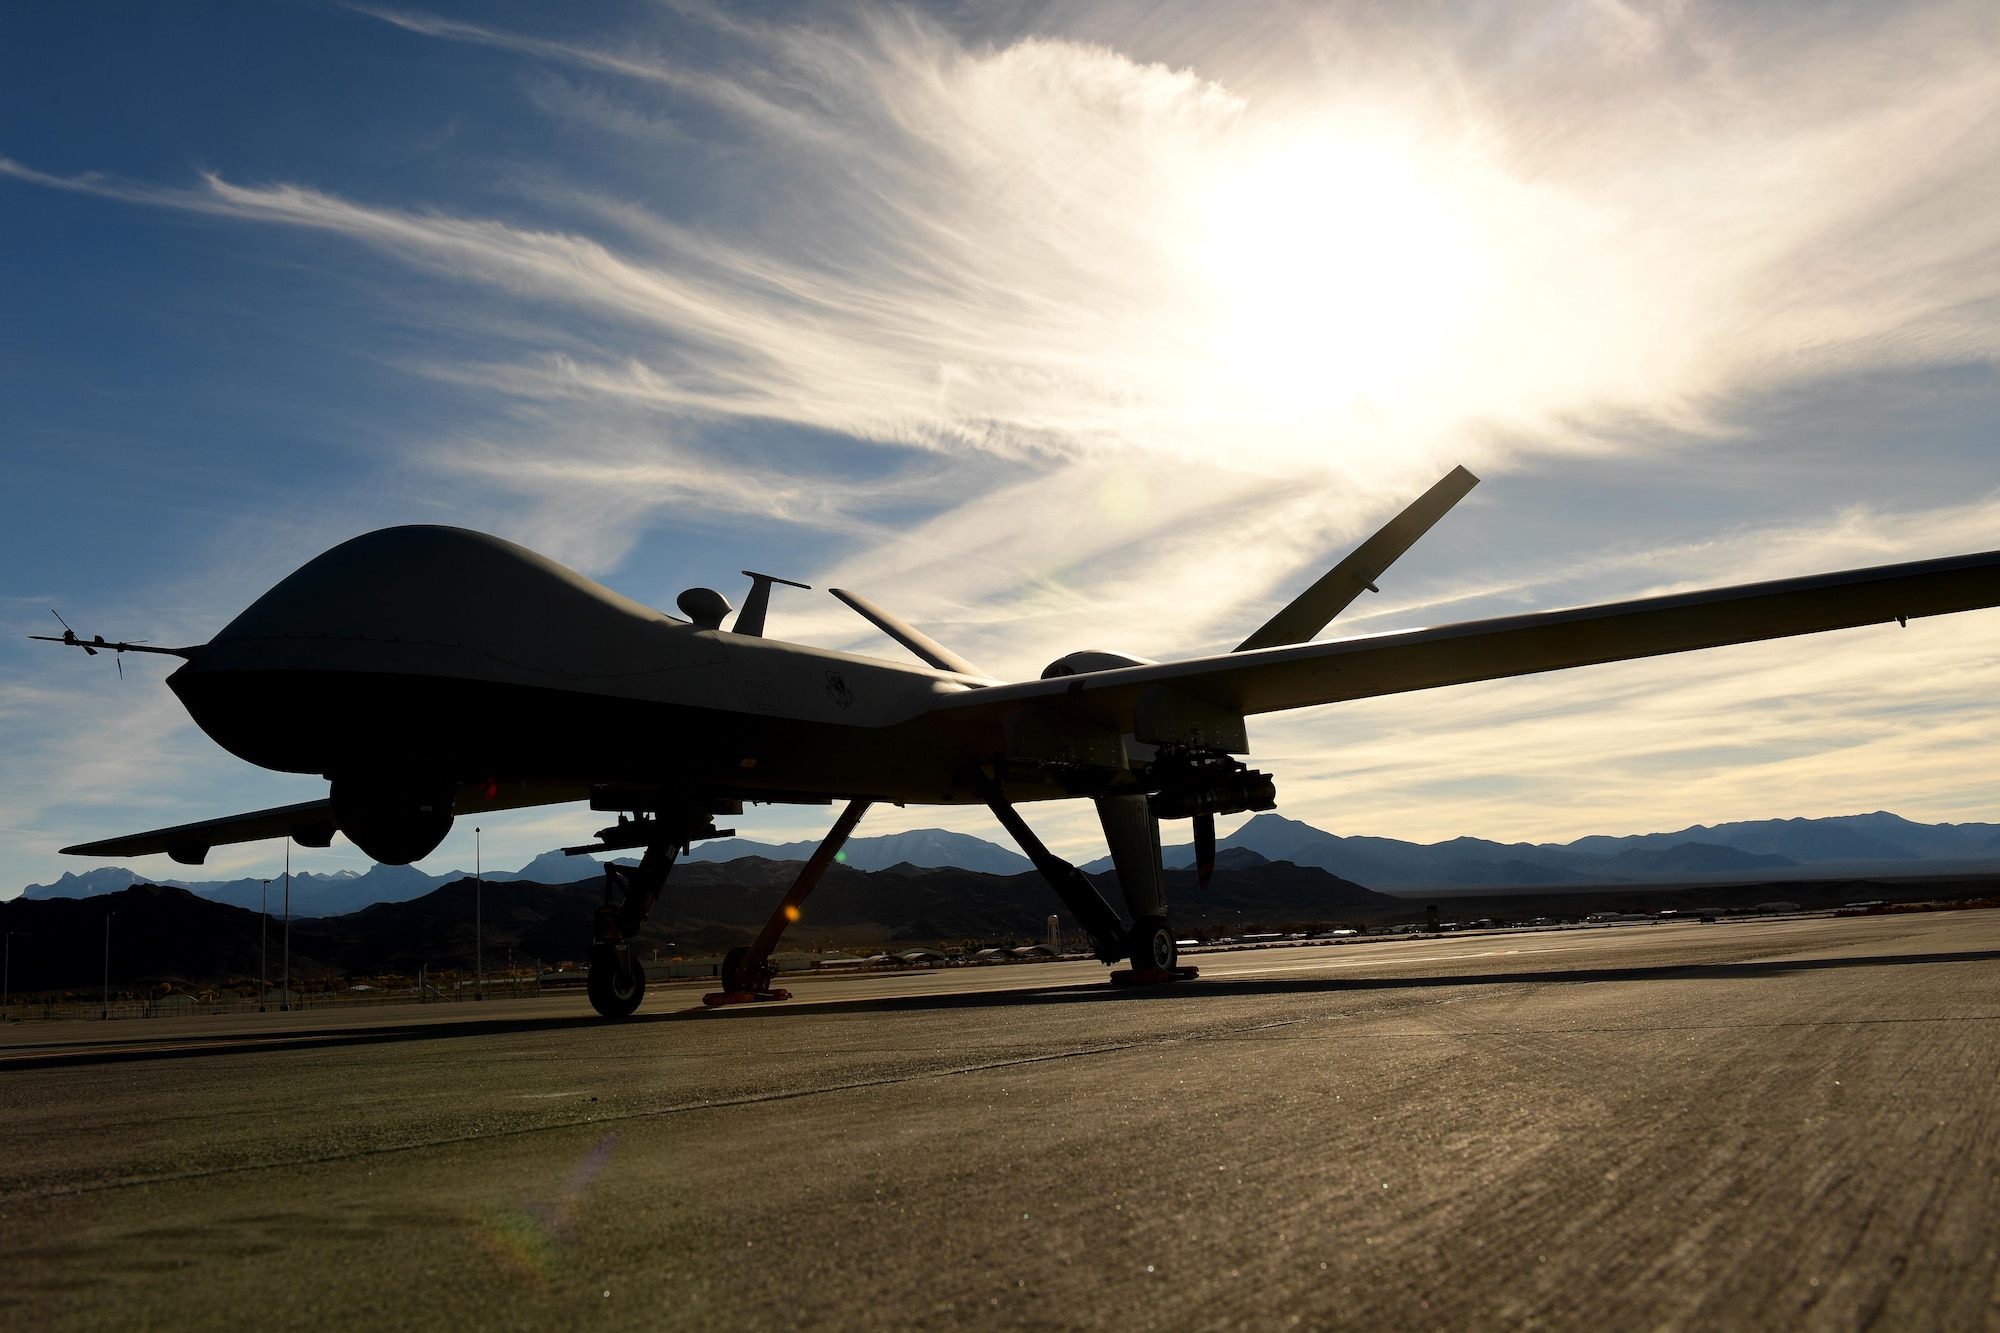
<point>1093,325</point>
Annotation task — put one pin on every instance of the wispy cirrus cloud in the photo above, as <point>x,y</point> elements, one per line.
<point>1050,249</point>
<point>1039,246</point>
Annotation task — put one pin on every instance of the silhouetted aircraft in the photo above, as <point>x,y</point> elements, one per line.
<point>433,672</point>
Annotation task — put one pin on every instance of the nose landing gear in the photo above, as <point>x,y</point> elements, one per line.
<point>616,982</point>
<point>617,979</point>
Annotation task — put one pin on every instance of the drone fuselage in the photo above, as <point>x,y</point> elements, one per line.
<point>761,720</point>
<point>446,655</point>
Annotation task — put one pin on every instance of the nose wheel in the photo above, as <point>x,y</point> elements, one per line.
<point>615,983</point>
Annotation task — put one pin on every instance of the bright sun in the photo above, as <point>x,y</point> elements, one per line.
<point>1341,274</point>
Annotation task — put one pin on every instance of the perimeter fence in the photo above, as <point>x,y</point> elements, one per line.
<point>183,1005</point>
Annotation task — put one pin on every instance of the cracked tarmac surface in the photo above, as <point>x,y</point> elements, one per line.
<point>1778,1124</point>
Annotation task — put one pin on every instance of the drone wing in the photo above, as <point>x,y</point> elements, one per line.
<point>1271,679</point>
<point>310,823</point>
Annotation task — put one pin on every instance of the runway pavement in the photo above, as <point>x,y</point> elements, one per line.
<point>1785,1123</point>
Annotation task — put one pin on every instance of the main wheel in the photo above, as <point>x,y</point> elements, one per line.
<point>1153,944</point>
<point>736,975</point>
<point>614,991</point>
<point>731,972</point>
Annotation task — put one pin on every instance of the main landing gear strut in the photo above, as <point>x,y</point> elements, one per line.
<point>1133,834</point>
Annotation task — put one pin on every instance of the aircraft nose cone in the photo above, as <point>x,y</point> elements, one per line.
<point>704,606</point>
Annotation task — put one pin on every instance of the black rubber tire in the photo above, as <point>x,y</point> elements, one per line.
<point>730,974</point>
<point>615,992</point>
<point>1153,944</point>
<point>735,975</point>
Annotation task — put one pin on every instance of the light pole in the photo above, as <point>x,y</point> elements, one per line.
<point>287,1005</point>
<point>478,917</point>
<point>105,1012</point>
<point>264,946</point>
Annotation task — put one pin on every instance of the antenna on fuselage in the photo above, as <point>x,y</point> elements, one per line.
<point>750,620</point>
<point>96,642</point>
<point>923,645</point>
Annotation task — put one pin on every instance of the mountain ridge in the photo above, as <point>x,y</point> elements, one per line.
<point>165,937</point>
<point>1773,848</point>
<point>167,934</point>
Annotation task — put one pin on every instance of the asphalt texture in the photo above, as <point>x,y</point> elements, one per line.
<point>1763,1124</point>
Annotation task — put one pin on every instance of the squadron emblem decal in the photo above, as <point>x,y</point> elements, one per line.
<point>836,690</point>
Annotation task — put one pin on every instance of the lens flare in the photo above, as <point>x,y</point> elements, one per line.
<point>528,1240</point>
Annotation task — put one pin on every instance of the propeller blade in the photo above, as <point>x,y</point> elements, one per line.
<point>1204,849</point>
<point>1314,609</point>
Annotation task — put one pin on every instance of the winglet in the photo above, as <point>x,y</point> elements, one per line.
<point>1312,610</point>
<point>923,645</point>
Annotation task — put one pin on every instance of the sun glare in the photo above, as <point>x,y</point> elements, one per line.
<point>1340,272</point>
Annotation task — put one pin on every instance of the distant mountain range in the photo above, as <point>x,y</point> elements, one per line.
<point>920,847</point>
<point>350,891</point>
<point>312,894</point>
<point>167,934</point>
<point>170,934</point>
<point>1775,849</point>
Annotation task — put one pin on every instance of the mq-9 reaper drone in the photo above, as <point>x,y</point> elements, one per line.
<point>430,672</point>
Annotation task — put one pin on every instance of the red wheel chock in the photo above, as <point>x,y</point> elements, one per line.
<point>1153,976</point>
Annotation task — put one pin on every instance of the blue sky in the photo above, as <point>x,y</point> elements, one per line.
<point>1095,325</point>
